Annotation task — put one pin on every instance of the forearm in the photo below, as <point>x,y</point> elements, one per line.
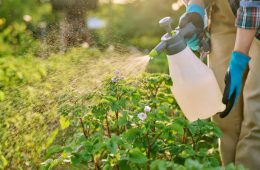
<point>244,39</point>
<point>247,23</point>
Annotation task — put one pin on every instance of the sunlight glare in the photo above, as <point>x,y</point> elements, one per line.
<point>177,5</point>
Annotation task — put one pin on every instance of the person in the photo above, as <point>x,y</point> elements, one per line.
<point>235,32</point>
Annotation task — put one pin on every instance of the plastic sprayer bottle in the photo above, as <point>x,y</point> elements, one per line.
<point>195,87</point>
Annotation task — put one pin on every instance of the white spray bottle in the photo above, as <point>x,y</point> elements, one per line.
<point>195,87</point>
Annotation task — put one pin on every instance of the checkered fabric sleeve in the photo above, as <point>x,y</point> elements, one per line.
<point>248,15</point>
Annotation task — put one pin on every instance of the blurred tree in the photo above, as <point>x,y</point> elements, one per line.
<point>19,25</point>
<point>19,11</point>
<point>72,24</point>
<point>15,10</point>
<point>135,23</point>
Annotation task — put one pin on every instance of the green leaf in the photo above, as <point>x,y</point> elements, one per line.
<point>136,156</point>
<point>233,167</point>
<point>132,134</point>
<point>194,165</point>
<point>192,129</point>
<point>86,156</point>
<point>123,165</point>
<point>177,128</point>
<point>53,149</point>
<point>64,123</point>
<point>114,106</point>
<point>3,162</point>
<point>68,149</point>
<point>75,159</point>
<point>189,152</point>
<point>106,167</point>
<point>214,161</point>
<point>112,146</point>
<point>202,152</point>
<point>122,120</point>
<point>54,163</point>
<point>52,137</point>
<point>217,131</point>
<point>158,165</point>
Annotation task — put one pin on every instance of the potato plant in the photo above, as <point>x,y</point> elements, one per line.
<point>131,124</point>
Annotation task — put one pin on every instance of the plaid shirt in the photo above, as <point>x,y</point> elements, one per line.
<point>248,14</point>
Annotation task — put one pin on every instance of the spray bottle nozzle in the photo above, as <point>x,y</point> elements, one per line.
<point>166,24</point>
<point>174,40</point>
<point>153,54</point>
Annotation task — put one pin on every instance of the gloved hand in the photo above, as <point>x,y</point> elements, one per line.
<point>195,15</point>
<point>233,81</point>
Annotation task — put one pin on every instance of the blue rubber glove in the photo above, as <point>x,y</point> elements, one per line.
<point>233,80</point>
<point>195,15</point>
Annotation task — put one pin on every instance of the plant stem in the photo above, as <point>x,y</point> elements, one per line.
<point>97,167</point>
<point>118,128</point>
<point>108,129</point>
<point>157,137</point>
<point>157,89</point>
<point>148,145</point>
<point>148,165</point>
<point>154,122</point>
<point>193,141</point>
<point>184,137</point>
<point>98,159</point>
<point>154,95</point>
<point>117,113</point>
<point>148,150</point>
<point>83,128</point>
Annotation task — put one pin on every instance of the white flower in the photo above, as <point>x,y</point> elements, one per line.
<point>114,79</point>
<point>142,116</point>
<point>147,108</point>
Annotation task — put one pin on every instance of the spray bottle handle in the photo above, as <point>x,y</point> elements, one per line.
<point>166,24</point>
<point>188,31</point>
<point>179,35</point>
